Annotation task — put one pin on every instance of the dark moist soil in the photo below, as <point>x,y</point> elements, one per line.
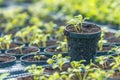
<point>107,48</point>
<point>53,50</point>
<point>5,59</point>
<point>109,34</point>
<point>26,78</point>
<point>14,45</point>
<point>24,50</point>
<point>116,75</point>
<point>50,70</point>
<point>114,40</point>
<point>106,65</point>
<point>31,58</point>
<point>86,28</point>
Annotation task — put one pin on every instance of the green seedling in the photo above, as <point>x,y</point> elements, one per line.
<point>77,22</point>
<point>16,22</point>
<point>62,45</point>
<point>116,63</point>
<point>39,57</point>
<point>103,75</point>
<point>59,35</point>
<point>58,61</point>
<point>102,41</point>
<point>29,33</point>
<point>3,75</point>
<point>102,61</point>
<point>5,41</point>
<point>20,48</point>
<point>37,72</point>
<point>40,40</point>
<point>50,27</point>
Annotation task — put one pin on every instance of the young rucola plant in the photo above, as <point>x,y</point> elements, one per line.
<point>77,22</point>
<point>16,22</point>
<point>102,40</point>
<point>59,35</point>
<point>62,45</point>
<point>50,27</point>
<point>99,74</point>
<point>40,40</point>
<point>29,33</point>
<point>37,71</point>
<point>39,57</point>
<point>5,41</point>
<point>58,61</point>
<point>3,75</point>
<point>87,72</point>
<point>101,60</point>
<point>20,48</point>
<point>116,63</point>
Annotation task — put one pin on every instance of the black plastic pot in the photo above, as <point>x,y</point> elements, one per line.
<point>82,46</point>
<point>8,63</point>
<point>19,54</point>
<point>2,51</point>
<point>42,62</point>
<point>42,49</point>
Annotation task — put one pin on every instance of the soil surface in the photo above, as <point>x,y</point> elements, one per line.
<point>5,59</point>
<point>116,75</point>
<point>26,78</point>
<point>109,34</point>
<point>14,45</point>
<point>24,50</point>
<point>114,40</point>
<point>106,65</point>
<point>50,70</point>
<point>106,48</point>
<point>86,28</point>
<point>53,50</point>
<point>32,58</point>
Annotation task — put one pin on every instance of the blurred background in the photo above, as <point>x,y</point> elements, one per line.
<point>17,14</point>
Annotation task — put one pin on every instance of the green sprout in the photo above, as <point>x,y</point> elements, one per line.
<point>102,41</point>
<point>76,68</point>
<point>58,61</point>
<point>59,33</point>
<point>20,48</point>
<point>102,61</point>
<point>3,75</point>
<point>5,41</point>
<point>29,33</point>
<point>37,72</point>
<point>99,74</point>
<point>40,40</point>
<point>116,63</point>
<point>77,22</point>
<point>39,57</point>
<point>62,45</point>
